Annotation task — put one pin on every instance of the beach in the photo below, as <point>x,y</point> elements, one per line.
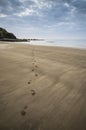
<point>42,88</point>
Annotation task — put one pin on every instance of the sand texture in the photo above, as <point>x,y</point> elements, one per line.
<point>42,88</point>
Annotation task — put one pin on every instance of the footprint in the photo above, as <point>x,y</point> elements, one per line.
<point>25,107</point>
<point>36,75</point>
<point>32,69</point>
<point>33,92</point>
<point>36,66</point>
<point>29,82</point>
<point>23,113</point>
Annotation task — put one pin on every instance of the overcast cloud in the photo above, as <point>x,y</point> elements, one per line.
<point>44,18</point>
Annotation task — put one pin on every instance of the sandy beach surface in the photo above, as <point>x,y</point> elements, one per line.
<point>42,88</point>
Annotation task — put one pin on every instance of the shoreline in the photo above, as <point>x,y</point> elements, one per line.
<point>29,43</point>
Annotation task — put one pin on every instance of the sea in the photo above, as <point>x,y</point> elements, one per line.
<point>73,43</point>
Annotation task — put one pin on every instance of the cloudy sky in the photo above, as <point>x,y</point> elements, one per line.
<point>44,18</point>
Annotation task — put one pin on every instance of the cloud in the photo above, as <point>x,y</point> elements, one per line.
<point>29,7</point>
<point>8,7</point>
<point>80,6</point>
<point>34,7</point>
<point>66,5</point>
<point>3,15</point>
<point>23,7</point>
<point>26,12</point>
<point>49,15</point>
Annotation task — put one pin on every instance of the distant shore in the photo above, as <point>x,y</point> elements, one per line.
<point>19,40</point>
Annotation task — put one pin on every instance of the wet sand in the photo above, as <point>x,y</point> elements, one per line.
<point>42,88</point>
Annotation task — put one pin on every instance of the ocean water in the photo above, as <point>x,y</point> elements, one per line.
<point>79,43</point>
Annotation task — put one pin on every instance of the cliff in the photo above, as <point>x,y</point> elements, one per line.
<point>4,34</point>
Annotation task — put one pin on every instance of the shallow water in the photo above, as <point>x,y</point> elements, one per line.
<point>79,43</point>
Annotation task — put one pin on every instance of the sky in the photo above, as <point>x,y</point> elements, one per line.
<point>44,18</point>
